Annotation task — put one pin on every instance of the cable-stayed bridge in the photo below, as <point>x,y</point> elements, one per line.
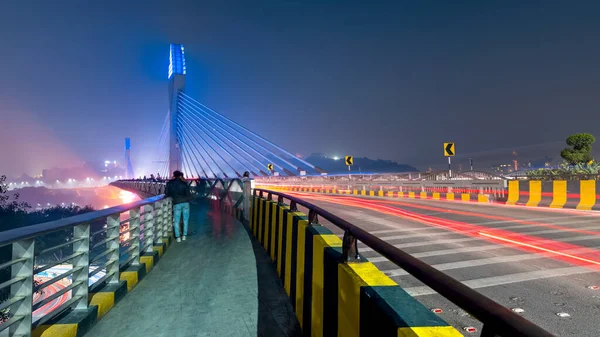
<point>204,143</point>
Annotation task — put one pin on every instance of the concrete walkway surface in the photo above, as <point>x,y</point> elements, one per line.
<point>219,282</point>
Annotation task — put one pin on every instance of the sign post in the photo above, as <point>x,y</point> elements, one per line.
<point>349,162</point>
<point>449,152</point>
<point>270,167</point>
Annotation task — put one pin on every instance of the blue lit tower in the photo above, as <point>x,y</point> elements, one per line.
<point>129,170</point>
<point>176,85</point>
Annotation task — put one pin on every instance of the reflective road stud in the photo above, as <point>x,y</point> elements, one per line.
<point>470,329</point>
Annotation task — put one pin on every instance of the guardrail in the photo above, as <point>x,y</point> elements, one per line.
<point>497,320</point>
<point>466,190</point>
<point>108,241</point>
<point>400,176</point>
<point>230,191</point>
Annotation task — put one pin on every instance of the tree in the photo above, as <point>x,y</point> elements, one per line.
<point>581,149</point>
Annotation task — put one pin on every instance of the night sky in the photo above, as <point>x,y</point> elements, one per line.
<point>383,79</point>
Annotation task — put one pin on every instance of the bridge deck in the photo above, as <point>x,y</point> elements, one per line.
<point>219,282</point>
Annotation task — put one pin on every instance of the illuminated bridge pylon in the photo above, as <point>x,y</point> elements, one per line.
<point>204,143</point>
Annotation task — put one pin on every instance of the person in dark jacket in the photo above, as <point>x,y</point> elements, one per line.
<point>179,191</point>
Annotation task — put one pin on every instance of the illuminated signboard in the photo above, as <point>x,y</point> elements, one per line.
<point>176,60</point>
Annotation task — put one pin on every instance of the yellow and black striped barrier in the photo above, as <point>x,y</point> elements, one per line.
<point>465,195</point>
<point>332,297</point>
<point>578,194</point>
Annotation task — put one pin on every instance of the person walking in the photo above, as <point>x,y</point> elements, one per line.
<point>179,191</point>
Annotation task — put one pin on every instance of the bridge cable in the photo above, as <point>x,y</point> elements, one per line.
<point>181,121</point>
<point>210,134</point>
<point>219,141</point>
<point>192,156</point>
<point>185,167</point>
<point>201,113</point>
<point>201,156</point>
<point>224,135</point>
<point>165,166</point>
<point>204,114</point>
<point>187,157</point>
<point>215,139</point>
<point>218,154</point>
<point>188,162</point>
<point>196,116</point>
<point>256,135</point>
<point>186,133</point>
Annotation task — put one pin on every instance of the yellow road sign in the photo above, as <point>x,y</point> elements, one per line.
<point>349,160</point>
<point>449,150</point>
<point>270,167</point>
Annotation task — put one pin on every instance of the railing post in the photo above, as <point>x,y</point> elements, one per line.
<point>83,261</point>
<point>247,191</point>
<point>168,213</point>
<point>350,248</point>
<point>113,225</point>
<point>134,223</point>
<point>159,224</point>
<point>22,249</point>
<point>149,225</point>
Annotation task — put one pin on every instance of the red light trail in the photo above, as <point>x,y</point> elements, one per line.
<point>589,258</point>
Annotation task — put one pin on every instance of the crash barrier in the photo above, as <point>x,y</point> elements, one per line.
<point>123,243</point>
<point>483,191</point>
<point>337,292</point>
<point>578,194</point>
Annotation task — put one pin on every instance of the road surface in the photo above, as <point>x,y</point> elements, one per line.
<point>542,263</point>
<point>52,305</point>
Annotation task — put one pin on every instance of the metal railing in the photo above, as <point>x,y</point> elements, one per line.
<point>102,243</point>
<point>497,320</point>
<point>494,190</point>
<point>401,176</point>
<point>230,191</point>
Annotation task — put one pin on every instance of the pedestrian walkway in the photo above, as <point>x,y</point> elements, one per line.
<point>218,282</point>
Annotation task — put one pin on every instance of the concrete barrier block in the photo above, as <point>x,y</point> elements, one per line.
<point>73,324</point>
<point>587,194</point>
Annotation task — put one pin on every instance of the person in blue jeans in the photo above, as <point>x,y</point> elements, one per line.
<point>179,191</point>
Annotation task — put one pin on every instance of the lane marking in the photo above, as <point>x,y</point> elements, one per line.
<point>544,231</point>
<point>498,206</point>
<point>408,236</point>
<point>473,249</point>
<point>415,229</point>
<point>386,231</point>
<point>579,258</point>
<point>426,243</point>
<point>507,279</point>
<point>487,261</point>
<point>443,252</point>
<point>438,242</point>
